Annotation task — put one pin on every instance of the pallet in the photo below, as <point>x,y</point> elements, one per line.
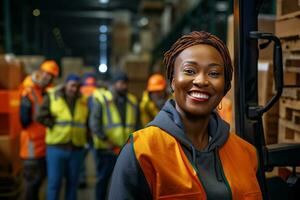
<point>287,107</point>
<point>288,28</point>
<point>288,131</point>
<point>291,45</point>
<point>287,7</point>
<point>292,93</point>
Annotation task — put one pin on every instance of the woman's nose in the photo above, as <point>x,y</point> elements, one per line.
<point>201,80</point>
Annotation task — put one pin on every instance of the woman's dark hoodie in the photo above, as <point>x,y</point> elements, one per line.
<point>129,182</point>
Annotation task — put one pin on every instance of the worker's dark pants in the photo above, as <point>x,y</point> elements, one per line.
<point>63,163</point>
<point>105,162</point>
<point>34,172</point>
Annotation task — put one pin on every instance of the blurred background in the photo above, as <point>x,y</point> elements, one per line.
<point>106,36</point>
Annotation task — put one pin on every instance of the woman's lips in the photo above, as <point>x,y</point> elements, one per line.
<point>199,96</point>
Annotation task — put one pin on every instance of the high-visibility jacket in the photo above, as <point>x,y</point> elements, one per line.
<point>111,120</point>
<point>148,109</point>
<point>67,128</point>
<point>32,138</point>
<point>170,174</point>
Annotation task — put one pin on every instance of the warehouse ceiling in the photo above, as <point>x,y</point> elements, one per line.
<point>67,27</point>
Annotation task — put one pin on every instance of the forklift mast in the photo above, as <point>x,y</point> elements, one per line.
<point>248,113</point>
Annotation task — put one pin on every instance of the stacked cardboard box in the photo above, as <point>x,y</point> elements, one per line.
<point>12,72</point>
<point>137,68</point>
<point>287,29</point>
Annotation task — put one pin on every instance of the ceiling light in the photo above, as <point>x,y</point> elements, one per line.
<point>102,68</point>
<point>104,1</point>
<point>36,12</point>
<point>103,29</point>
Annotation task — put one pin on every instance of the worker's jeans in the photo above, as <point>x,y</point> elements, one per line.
<point>105,162</point>
<point>63,163</point>
<point>34,171</point>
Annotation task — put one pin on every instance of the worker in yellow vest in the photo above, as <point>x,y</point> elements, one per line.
<point>153,98</point>
<point>32,138</point>
<point>65,114</point>
<point>89,85</point>
<point>115,115</point>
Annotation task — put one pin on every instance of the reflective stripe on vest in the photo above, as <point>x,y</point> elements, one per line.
<point>170,174</point>
<point>67,128</point>
<point>112,123</point>
<point>148,109</point>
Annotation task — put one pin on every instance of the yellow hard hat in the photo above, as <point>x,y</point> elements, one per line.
<point>156,82</point>
<point>51,67</point>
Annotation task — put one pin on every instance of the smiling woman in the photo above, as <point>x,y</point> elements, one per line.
<point>187,152</point>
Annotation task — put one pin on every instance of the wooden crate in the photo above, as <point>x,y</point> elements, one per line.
<point>289,122</point>
<point>287,107</point>
<point>265,92</point>
<point>288,27</point>
<point>291,45</point>
<point>287,7</point>
<point>289,132</point>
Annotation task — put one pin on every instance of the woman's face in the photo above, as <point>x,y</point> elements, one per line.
<point>198,81</point>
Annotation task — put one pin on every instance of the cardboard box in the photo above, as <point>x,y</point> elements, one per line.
<point>12,72</point>
<point>136,66</point>
<point>137,87</point>
<point>9,152</point>
<point>121,38</point>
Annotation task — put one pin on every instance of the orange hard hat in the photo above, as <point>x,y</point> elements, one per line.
<point>51,67</point>
<point>156,82</point>
<point>89,81</point>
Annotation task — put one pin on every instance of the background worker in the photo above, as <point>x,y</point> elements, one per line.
<point>32,138</point>
<point>114,116</point>
<point>65,113</point>
<point>89,85</point>
<point>153,98</point>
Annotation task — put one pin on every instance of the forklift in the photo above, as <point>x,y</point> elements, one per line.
<point>248,113</point>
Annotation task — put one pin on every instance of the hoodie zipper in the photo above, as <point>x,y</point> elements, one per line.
<point>222,171</point>
<point>196,169</point>
<point>223,174</point>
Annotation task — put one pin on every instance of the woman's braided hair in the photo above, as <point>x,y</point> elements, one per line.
<point>195,38</point>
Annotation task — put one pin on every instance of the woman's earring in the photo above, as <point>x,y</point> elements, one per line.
<point>220,106</point>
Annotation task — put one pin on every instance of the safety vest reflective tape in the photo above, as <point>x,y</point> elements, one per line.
<point>67,128</point>
<point>112,123</point>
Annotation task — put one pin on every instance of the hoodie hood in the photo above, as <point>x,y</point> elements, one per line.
<point>168,119</point>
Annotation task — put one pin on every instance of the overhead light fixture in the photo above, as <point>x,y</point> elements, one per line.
<point>144,21</point>
<point>103,29</point>
<point>104,1</point>
<point>36,12</point>
<point>102,68</point>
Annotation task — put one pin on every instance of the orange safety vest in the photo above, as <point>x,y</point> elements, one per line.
<point>33,137</point>
<point>171,175</point>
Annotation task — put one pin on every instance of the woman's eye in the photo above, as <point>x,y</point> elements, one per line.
<point>189,71</point>
<point>214,74</point>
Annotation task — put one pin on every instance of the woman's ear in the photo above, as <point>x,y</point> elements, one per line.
<point>172,85</point>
